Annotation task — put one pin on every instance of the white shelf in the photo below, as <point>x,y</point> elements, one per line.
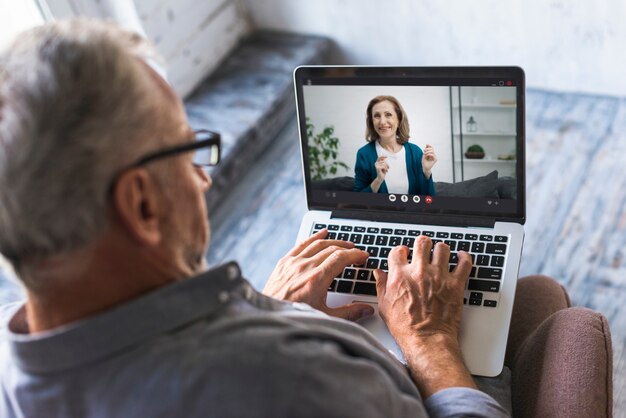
<point>487,106</point>
<point>485,161</point>
<point>487,134</point>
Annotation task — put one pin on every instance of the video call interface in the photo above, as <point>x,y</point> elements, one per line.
<point>426,148</point>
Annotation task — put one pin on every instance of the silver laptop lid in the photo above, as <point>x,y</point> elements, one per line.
<point>473,118</point>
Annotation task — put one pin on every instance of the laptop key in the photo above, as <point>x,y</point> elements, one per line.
<point>482,260</point>
<point>332,286</point>
<point>343,236</point>
<point>443,234</point>
<point>359,229</point>
<point>346,228</point>
<point>428,233</point>
<point>363,275</point>
<point>372,263</point>
<point>501,238</point>
<point>356,238</point>
<point>384,265</point>
<point>372,230</point>
<point>333,227</point>
<point>489,273</point>
<point>319,226</point>
<point>484,285</point>
<point>456,235</point>
<point>331,235</point>
<point>486,238</point>
<point>400,231</point>
<point>381,240</point>
<point>395,241</point>
<point>384,252</point>
<point>361,288</point>
<point>490,303</point>
<point>471,237</point>
<point>373,251</point>
<point>349,273</point>
<point>478,247</point>
<point>369,239</point>
<point>344,286</point>
<point>496,249</point>
<point>451,244</point>
<point>414,233</point>
<point>408,241</point>
<point>463,246</point>
<point>497,261</point>
<point>386,231</point>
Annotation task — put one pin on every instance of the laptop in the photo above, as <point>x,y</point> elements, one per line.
<point>472,118</point>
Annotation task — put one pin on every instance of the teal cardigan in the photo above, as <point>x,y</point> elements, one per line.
<point>365,172</point>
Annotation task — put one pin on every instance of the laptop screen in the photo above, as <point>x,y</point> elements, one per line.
<point>430,140</point>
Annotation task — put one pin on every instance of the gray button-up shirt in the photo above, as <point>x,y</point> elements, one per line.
<point>212,346</point>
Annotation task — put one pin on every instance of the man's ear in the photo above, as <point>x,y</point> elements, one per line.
<point>136,201</point>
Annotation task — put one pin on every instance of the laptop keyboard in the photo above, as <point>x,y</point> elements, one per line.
<point>488,252</point>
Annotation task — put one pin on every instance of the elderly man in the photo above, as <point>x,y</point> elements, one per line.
<point>102,214</point>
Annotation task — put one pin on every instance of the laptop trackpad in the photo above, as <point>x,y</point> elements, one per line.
<point>377,327</point>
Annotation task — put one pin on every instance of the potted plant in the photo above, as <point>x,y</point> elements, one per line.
<point>475,152</point>
<point>323,154</point>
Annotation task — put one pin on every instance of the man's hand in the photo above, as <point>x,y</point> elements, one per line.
<point>306,272</point>
<point>422,303</point>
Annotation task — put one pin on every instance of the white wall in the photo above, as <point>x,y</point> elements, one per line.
<point>192,35</point>
<point>563,45</point>
<point>343,107</point>
<point>16,17</point>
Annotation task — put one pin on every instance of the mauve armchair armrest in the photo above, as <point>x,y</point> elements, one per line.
<point>560,357</point>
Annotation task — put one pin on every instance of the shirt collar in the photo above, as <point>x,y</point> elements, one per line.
<point>161,310</point>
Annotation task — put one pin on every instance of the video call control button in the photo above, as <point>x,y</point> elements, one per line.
<point>404,198</point>
<point>392,197</point>
<point>429,199</point>
<point>416,199</point>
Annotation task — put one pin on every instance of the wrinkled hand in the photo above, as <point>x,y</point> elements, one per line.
<point>381,168</point>
<point>306,272</point>
<point>422,297</point>
<point>428,160</point>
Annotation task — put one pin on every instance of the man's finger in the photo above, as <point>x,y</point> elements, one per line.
<point>320,257</point>
<point>301,246</point>
<point>463,267</point>
<point>421,251</point>
<point>381,283</point>
<point>351,312</point>
<point>338,260</point>
<point>320,245</point>
<point>441,255</point>
<point>398,256</point>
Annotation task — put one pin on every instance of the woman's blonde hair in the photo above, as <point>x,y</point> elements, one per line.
<point>402,134</point>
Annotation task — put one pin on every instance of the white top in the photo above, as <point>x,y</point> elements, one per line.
<point>397,178</point>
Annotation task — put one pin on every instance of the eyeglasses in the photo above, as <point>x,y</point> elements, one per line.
<point>207,147</point>
<point>207,150</point>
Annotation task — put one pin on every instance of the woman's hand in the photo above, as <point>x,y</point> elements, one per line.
<point>306,272</point>
<point>381,168</point>
<point>428,160</point>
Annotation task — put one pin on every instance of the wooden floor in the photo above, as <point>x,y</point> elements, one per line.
<point>576,208</point>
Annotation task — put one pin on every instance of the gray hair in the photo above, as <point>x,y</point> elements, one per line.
<point>74,106</point>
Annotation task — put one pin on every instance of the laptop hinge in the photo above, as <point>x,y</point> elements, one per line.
<point>415,218</point>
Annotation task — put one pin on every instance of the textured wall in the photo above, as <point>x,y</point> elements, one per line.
<point>575,46</point>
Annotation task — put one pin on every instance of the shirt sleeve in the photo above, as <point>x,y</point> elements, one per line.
<point>362,173</point>
<point>463,402</point>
